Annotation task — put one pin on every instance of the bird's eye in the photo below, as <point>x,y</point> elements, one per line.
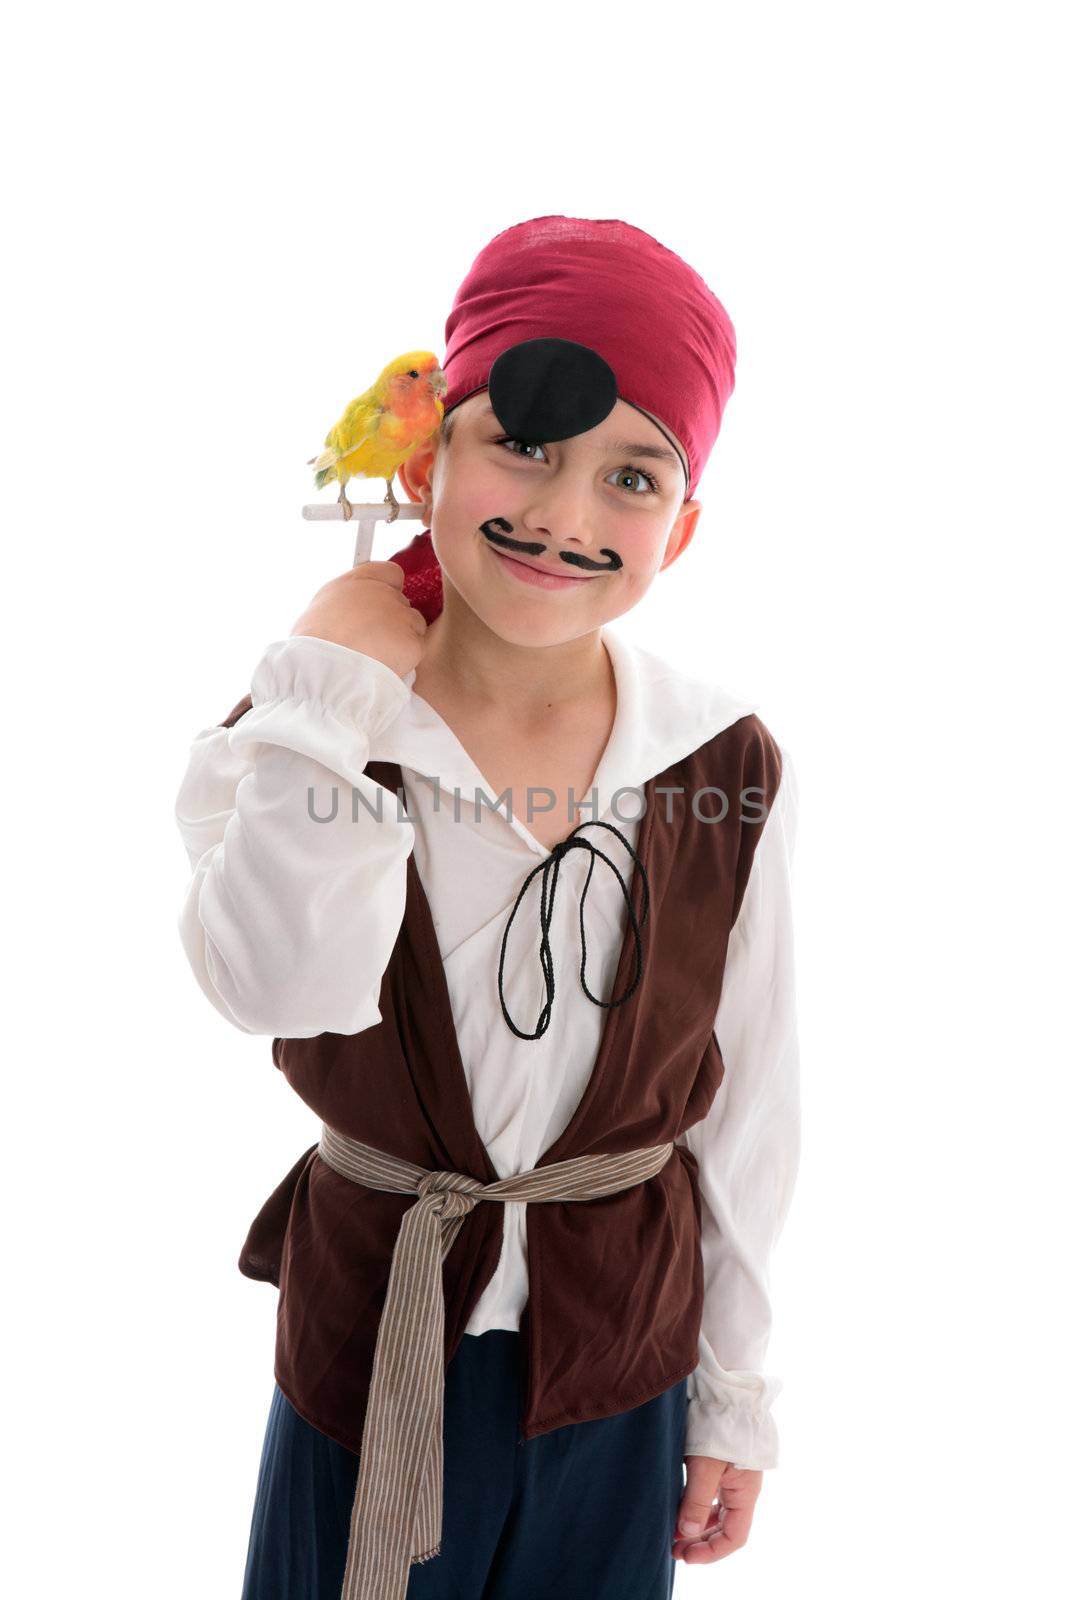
<point>413,373</point>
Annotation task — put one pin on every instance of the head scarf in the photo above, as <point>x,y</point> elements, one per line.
<point>607,286</point>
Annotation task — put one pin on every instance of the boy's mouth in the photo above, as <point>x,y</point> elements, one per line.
<point>530,572</point>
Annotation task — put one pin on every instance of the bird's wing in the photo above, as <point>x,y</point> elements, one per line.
<point>357,428</point>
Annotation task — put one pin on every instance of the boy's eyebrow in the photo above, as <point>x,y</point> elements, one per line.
<point>652,452</point>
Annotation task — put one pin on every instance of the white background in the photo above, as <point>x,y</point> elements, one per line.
<point>222,221</point>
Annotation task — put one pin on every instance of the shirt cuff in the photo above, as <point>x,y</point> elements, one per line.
<point>322,700</point>
<point>353,685</point>
<point>735,1427</point>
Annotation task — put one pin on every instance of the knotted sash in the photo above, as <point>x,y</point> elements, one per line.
<point>397,1512</point>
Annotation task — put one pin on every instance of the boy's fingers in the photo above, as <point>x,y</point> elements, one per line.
<point>728,1532</point>
<point>693,1516</point>
<point>702,1477</point>
<point>384,571</point>
<point>723,1538</point>
<point>728,1508</point>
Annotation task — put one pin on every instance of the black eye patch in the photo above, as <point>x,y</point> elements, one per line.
<point>548,389</point>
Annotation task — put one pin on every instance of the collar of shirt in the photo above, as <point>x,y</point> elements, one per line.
<point>661,715</point>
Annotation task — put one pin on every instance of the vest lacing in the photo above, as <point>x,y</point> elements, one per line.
<point>548,895</point>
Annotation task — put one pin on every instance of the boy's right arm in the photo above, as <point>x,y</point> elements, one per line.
<point>289,922</point>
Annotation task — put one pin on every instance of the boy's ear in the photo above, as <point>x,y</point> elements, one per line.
<point>685,526</point>
<point>414,473</point>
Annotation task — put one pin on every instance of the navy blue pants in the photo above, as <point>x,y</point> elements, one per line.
<point>584,1512</point>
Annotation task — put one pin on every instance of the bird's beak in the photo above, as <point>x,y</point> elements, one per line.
<point>438,382</point>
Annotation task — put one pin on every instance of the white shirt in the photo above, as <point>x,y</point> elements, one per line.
<point>289,924</point>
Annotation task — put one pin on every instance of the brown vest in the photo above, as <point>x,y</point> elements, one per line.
<point>616,1284</point>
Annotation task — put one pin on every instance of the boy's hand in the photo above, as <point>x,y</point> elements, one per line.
<point>366,609</point>
<point>722,1528</point>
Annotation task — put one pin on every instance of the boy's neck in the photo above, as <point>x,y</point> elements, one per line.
<point>474,669</point>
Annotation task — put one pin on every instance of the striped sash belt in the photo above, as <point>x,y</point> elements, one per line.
<point>396,1516</point>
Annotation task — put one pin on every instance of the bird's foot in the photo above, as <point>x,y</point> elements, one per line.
<point>345,504</point>
<point>392,501</point>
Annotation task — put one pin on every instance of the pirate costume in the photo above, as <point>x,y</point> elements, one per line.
<point>529,1190</point>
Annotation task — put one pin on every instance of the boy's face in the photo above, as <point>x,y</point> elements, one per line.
<point>590,510</point>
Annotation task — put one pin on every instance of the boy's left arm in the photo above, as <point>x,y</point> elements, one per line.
<point>747,1149</point>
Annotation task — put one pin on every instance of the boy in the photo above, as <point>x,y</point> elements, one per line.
<point>476,1394</point>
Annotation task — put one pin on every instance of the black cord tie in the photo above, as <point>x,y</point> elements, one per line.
<point>548,897</point>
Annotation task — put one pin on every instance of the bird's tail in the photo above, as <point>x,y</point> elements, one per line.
<point>324,465</point>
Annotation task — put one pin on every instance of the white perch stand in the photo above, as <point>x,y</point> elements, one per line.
<point>364,517</point>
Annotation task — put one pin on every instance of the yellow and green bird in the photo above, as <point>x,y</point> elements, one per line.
<point>383,426</point>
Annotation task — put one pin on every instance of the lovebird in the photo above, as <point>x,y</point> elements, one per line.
<point>383,426</point>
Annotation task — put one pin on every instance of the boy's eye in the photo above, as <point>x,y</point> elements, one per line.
<point>506,439</point>
<point>634,472</point>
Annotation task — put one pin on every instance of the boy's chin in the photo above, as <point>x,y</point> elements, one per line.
<point>533,625</point>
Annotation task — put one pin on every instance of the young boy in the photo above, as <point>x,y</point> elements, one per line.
<point>523,1275</point>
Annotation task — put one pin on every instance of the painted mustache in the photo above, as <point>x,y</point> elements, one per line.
<point>491,530</point>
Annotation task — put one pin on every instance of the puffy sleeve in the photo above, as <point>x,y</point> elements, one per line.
<point>297,890</point>
<point>747,1149</point>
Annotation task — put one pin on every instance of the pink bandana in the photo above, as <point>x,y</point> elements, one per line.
<point>613,288</point>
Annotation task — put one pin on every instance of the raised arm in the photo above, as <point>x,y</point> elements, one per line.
<point>289,922</point>
<point>748,1150</point>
